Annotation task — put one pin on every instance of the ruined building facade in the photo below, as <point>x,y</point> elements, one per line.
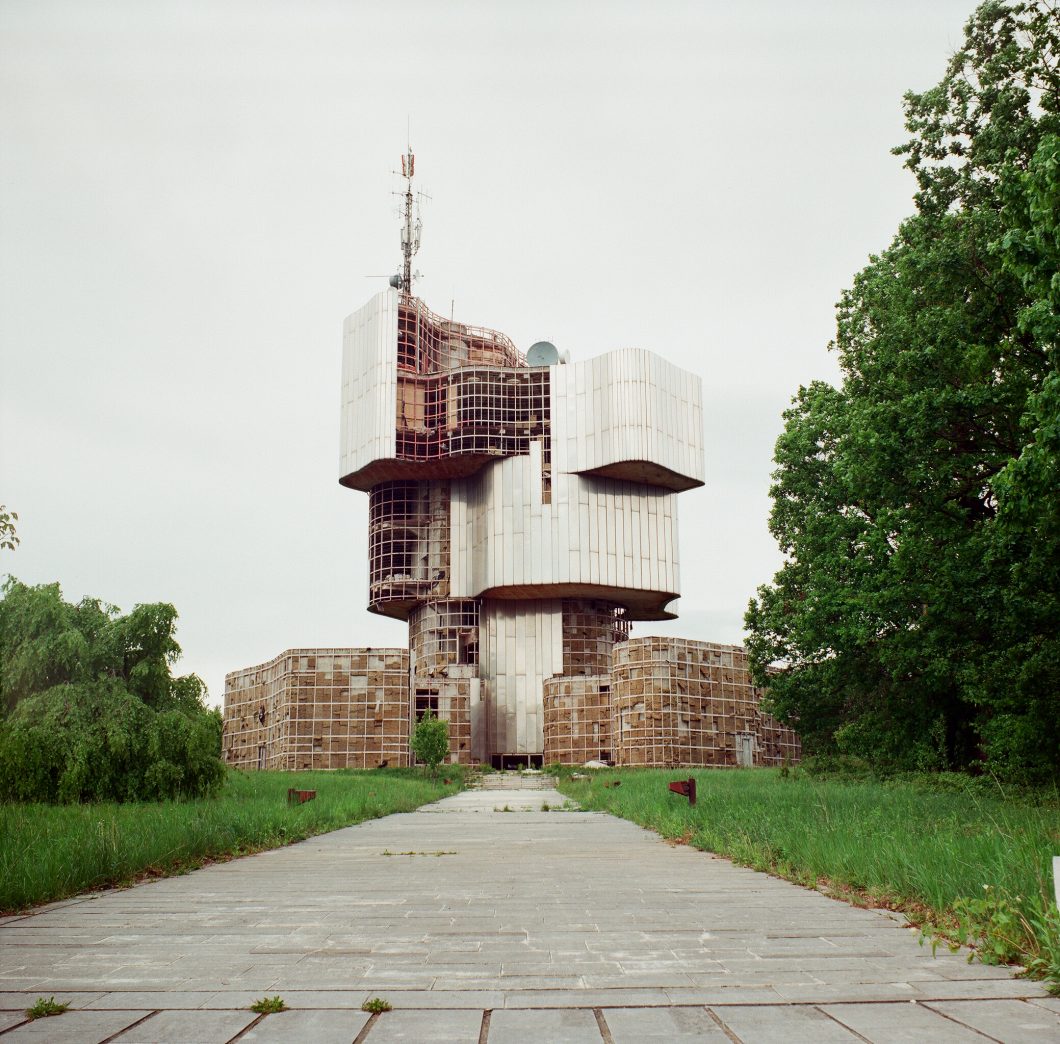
<point>522,513</point>
<point>663,702</point>
<point>519,516</point>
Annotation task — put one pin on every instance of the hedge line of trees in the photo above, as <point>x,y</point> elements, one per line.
<point>92,711</point>
<point>917,615</point>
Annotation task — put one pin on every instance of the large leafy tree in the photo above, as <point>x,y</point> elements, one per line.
<point>916,614</point>
<point>93,709</point>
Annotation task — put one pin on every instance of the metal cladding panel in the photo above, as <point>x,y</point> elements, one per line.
<point>596,531</point>
<point>520,645</point>
<point>368,417</point>
<point>628,405</point>
<point>461,542</point>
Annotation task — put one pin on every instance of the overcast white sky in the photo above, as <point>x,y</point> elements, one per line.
<point>194,195</point>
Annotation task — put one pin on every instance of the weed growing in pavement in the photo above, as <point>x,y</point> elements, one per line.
<point>44,1007</point>
<point>268,1005</point>
<point>376,1005</point>
<point>387,852</point>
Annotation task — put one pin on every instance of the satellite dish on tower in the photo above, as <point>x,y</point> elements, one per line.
<point>542,353</point>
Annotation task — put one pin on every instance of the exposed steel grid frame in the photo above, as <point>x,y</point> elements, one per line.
<point>319,709</point>
<point>443,634</point>
<point>678,702</point>
<point>449,700</point>
<point>778,744</point>
<point>479,411</point>
<point>431,343</point>
<point>408,543</point>
<point>577,719</point>
<point>588,636</point>
<point>255,729</point>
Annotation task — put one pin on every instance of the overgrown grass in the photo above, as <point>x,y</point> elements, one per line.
<point>901,844</point>
<point>50,852</point>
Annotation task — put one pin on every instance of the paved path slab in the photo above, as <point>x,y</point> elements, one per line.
<point>484,910</point>
<point>318,1027</point>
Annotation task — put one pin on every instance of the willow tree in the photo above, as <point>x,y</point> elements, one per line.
<point>94,711</point>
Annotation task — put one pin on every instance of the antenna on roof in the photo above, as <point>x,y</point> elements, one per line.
<point>412,225</point>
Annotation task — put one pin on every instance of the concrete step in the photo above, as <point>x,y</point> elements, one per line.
<point>512,781</point>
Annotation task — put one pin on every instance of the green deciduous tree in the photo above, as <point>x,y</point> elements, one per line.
<point>917,504</point>
<point>430,741</point>
<point>94,712</point>
<point>8,537</point>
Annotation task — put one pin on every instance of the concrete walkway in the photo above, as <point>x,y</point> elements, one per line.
<point>486,925</point>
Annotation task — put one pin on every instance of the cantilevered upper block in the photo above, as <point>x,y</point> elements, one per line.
<point>420,399</point>
<point>492,479</point>
<point>369,389</point>
<point>628,415</point>
<point>594,538</point>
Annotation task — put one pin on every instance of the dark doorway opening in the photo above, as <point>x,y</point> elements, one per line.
<point>517,761</point>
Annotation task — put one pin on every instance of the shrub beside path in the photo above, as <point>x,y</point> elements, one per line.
<point>484,918</point>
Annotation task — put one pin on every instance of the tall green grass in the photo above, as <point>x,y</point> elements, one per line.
<point>50,852</point>
<point>967,863</point>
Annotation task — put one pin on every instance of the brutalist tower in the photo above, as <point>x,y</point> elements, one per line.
<point>522,508</point>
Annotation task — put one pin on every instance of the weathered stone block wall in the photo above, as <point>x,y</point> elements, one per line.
<point>588,636</point>
<point>577,719</point>
<point>450,698</point>
<point>319,709</point>
<point>666,702</point>
<point>779,744</point>
<point>255,716</point>
<point>682,702</point>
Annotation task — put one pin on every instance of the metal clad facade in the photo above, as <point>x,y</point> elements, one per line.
<point>573,493</point>
<point>368,416</point>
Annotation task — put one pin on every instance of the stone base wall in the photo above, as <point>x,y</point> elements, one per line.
<point>779,744</point>
<point>255,716</point>
<point>677,702</point>
<point>319,709</point>
<point>666,702</point>
<point>450,698</point>
<point>577,719</point>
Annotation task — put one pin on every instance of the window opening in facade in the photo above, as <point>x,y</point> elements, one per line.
<point>426,702</point>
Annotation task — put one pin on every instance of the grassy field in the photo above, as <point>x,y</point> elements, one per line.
<point>49,852</point>
<point>968,864</point>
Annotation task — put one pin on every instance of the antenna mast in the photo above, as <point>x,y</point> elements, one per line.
<point>410,230</point>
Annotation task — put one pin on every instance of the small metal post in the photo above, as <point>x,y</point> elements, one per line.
<point>686,788</point>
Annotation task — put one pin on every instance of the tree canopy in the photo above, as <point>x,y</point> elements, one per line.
<point>918,504</point>
<point>93,709</point>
